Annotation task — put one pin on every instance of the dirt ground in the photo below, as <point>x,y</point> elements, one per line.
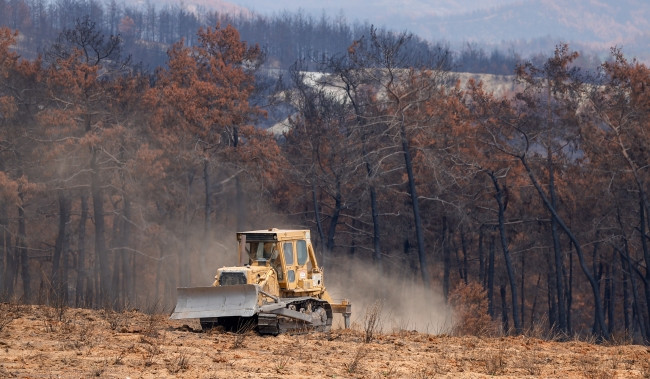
<point>43,342</point>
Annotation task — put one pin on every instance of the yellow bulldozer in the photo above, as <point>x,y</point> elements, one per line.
<point>279,290</point>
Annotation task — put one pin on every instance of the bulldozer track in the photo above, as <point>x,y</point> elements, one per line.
<point>300,315</point>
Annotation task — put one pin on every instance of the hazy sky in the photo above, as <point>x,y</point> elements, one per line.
<point>404,14</point>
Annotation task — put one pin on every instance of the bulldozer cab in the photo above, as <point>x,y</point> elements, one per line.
<point>289,252</point>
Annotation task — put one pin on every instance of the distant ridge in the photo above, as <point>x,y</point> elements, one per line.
<point>195,5</point>
<point>531,26</point>
<point>527,26</point>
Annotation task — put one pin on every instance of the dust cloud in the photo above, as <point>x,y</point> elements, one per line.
<point>405,303</point>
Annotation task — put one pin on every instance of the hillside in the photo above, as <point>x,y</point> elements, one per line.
<point>72,343</point>
<point>527,26</point>
<point>596,25</point>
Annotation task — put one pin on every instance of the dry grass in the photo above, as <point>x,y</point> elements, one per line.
<point>372,321</point>
<point>282,364</point>
<point>645,369</point>
<point>244,330</point>
<point>495,361</point>
<point>8,313</point>
<point>153,347</point>
<point>116,320</point>
<point>178,363</point>
<point>151,350</point>
<point>354,365</point>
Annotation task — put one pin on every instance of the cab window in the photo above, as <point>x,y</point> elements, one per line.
<point>260,250</point>
<point>288,253</point>
<point>301,251</point>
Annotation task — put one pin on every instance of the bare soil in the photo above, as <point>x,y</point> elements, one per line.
<point>44,342</point>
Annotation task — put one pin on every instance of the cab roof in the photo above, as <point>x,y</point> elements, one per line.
<point>275,234</point>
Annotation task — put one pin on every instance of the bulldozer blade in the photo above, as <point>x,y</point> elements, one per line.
<point>224,301</point>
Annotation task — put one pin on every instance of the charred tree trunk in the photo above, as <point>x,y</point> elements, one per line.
<point>116,290</point>
<point>446,259</point>
<point>644,213</point>
<point>551,293</point>
<point>207,226</point>
<point>334,220</point>
<point>207,212</point>
<point>552,306</point>
<point>242,219</point>
<point>319,225</point>
<point>598,326</point>
<point>83,293</point>
<point>424,269</point>
<point>607,298</point>
<point>523,289</point>
<point>504,309</point>
<point>610,296</point>
<point>559,266</point>
<point>569,296</point>
<point>412,271</point>
<point>115,248</point>
<point>21,249</point>
<point>459,262</point>
<point>239,193</point>
<point>646,254</point>
<point>490,278</point>
<point>533,308</point>
<point>595,287</point>
<point>159,270</point>
<point>637,308</point>
<point>65,271</point>
<point>481,258</point>
<point>100,229</point>
<point>463,244</point>
<point>59,284</point>
<point>127,257</point>
<point>625,273</point>
<point>376,231</point>
<point>184,276</point>
<point>4,234</point>
<point>9,270</point>
<point>498,195</point>
<point>637,311</point>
